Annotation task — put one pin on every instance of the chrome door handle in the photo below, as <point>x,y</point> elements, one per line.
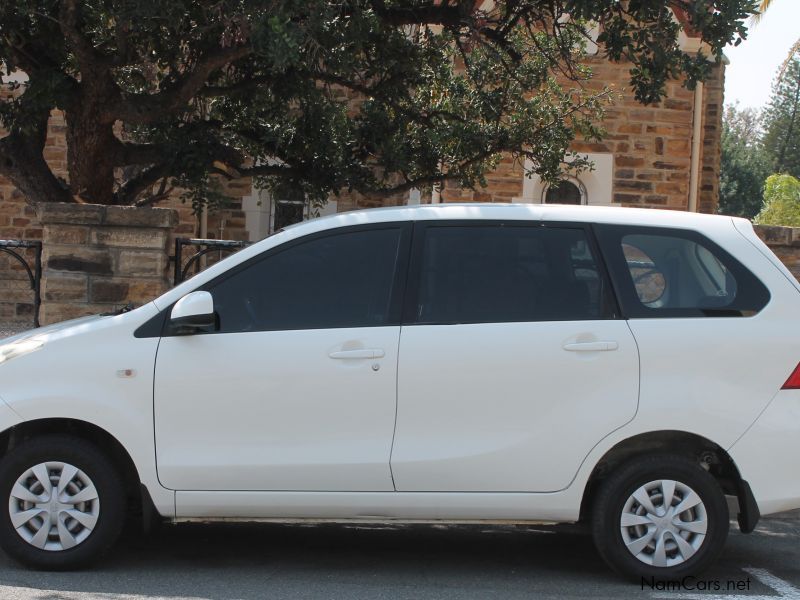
<point>360,353</point>
<point>591,346</point>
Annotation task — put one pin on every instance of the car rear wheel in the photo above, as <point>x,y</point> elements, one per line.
<point>662,517</point>
<point>64,501</point>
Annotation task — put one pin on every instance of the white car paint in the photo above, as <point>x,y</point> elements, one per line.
<point>75,375</point>
<point>697,375</point>
<point>485,407</point>
<point>276,412</point>
<point>768,453</point>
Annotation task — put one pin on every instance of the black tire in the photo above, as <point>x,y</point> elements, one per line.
<point>617,489</point>
<point>110,492</point>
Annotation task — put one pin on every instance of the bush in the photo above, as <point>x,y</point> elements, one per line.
<point>781,201</point>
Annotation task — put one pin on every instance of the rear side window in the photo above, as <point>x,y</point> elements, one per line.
<point>508,273</point>
<point>678,273</point>
<point>336,280</point>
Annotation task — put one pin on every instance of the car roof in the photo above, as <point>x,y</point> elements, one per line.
<point>498,211</point>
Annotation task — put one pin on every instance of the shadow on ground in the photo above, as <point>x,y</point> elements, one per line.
<point>249,561</point>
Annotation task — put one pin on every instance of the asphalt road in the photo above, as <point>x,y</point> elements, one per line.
<point>415,562</point>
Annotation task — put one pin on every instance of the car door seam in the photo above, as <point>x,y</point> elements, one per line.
<point>396,404</point>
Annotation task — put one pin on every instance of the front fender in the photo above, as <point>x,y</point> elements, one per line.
<point>8,418</point>
<point>97,372</point>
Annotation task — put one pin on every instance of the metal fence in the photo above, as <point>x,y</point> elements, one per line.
<point>20,280</point>
<point>193,255</point>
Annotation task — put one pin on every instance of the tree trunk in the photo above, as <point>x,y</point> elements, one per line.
<point>22,161</point>
<point>91,144</point>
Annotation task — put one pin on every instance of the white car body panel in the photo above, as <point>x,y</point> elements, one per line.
<point>767,453</point>
<point>485,407</point>
<point>723,370</point>
<point>8,418</point>
<point>697,376</point>
<point>372,506</point>
<point>256,420</point>
<point>79,374</point>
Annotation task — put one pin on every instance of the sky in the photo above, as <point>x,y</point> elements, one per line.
<point>754,63</point>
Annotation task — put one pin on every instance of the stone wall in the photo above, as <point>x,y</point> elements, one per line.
<point>17,294</point>
<point>18,221</point>
<point>651,144</point>
<point>785,243</point>
<point>98,258</point>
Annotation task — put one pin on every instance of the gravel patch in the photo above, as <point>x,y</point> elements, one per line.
<point>9,329</point>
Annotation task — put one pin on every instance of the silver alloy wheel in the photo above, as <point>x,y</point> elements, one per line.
<point>54,506</point>
<point>663,523</point>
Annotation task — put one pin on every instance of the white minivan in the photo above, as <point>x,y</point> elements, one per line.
<point>636,370</point>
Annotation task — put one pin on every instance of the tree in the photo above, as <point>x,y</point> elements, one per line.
<point>781,202</point>
<point>782,122</point>
<point>744,165</point>
<point>160,94</point>
<point>763,7</point>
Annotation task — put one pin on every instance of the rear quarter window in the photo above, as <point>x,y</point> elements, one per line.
<point>662,272</point>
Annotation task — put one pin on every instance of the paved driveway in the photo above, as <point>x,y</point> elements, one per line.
<point>417,562</point>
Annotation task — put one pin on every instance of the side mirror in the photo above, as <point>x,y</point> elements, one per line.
<point>193,313</point>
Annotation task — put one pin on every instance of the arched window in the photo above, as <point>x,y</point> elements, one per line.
<point>565,191</point>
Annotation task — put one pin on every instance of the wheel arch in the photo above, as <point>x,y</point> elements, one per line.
<point>138,498</point>
<point>708,454</point>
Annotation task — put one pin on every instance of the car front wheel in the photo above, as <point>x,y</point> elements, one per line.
<point>64,503</point>
<point>661,517</point>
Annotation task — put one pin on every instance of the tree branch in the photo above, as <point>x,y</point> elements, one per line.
<point>376,92</point>
<point>413,183</point>
<point>162,194</point>
<point>22,162</point>
<point>214,91</point>
<point>131,189</point>
<point>88,57</point>
<point>143,109</point>
<point>138,154</point>
<point>432,13</point>
<point>266,170</point>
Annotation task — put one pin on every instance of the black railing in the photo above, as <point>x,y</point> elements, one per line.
<point>16,249</point>
<point>183,265</point>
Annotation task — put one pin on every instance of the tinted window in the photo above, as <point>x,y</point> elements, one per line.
<point>480,274</point>
<point>647,278</point>
<point>340,280</point>
<point>677,273</point>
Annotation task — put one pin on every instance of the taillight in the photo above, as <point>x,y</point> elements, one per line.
<point>793,383</point>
